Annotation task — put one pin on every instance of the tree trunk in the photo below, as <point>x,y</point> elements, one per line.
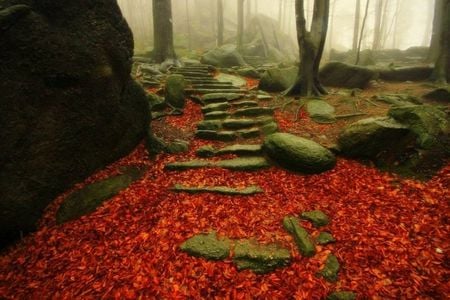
<point>280,12</point>
<point>361,35</point>
<point>377,27</point>
<point>441,73</point>
<point>436,33</point>
<point>395,33</point>
<point>356,26</point>
<point>428,27</point>
<point>188,26</point>
<point>311,44</point>
<point>240,25</point>
<point>162,31</point>
<point>219,23</point>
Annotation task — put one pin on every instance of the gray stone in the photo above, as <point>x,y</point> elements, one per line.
<point>317,217</point>
<point>253,112</point>
<point>248,72</point>
<point>251,190</point>
<point>331,269</point>
<point>320,111</point>
<point>342,75</point>
<point>223,57</point>
<point>269,128</point>
<point>304,242</point>
<point>177,146</point>
<point>260,258</point>
<point>207,246</point>
<point>238,123</point>
<point>221,97</point>
<point>298,154</point>
<point>224,136</point>
<point>215,107</point>
<point>209,125</point>
<point>187,165</point>
<point>206,151</point>
<point>244,163</point>
<point>239,149</point>
<point>278,80</point>
<point>174,92</point>
<point>248,133</point>
<point>245,104</point>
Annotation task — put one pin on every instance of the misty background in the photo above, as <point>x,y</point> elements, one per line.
<point>408,22</point>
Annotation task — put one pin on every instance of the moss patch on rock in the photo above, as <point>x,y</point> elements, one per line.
<point>219,190</point>
<point>207,246</point>
<point>316,217</point>
<point>300,235</point>
<point>325,238</point>
<point>244,163</point>
<point>331,269</point>
<point>342,295</point>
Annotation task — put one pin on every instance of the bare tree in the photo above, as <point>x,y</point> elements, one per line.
<point>441,73</point>
<point>219,23</point>
<point>436,32</point>
<point>377,27</point>
<point>188,26</point>
<point>356,26</point>
<point>280,12</point>
<point>311,44</point>
<point>427,32</point>
<point>361,35</point>
<point>163,48</point>
<point>240,25</point>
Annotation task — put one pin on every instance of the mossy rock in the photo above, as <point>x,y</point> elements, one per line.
<point>331,269</point>
<point>425,121</point>
<point>207,246</point>
<point>239,149</point>
<point>441,95</point>
<point>298,154</point>
<point>174,94</point>
<point>216,115</point>
<point>278,79</point>
<point>269,128</point>
<point>245,104</point>
<point>209,125</point>
<point>187,165</point>
<point>221,97</point>
<point>238,123</point>
<point>224,136</point>
<point>321,112</point>
<point>260,258</point>
<point>244,163</point>
<point>86,200</point>
<point>250,190</point>
<point>206,151</point>
<point>398,99</point>
<point>342,295</point>
<point>177,146</point>
<point>343,75</point>
<point>325,238</point>
<point>215,107</point>
<point>253,112</point>
<point>316,217</point>
<point>300,235</point>
<point>248,133</point>
<point>156,103</point>
<point>248,72</point>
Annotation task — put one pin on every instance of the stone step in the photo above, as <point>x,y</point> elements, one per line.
<point>254,112</point>
<point>222,106</point>
<point>245,104</point>
<point>239,123</point>
<point>237,164</point>
<point>204,78</point>
<point>209,91</point>
<point>237,149</point>
<point>216,115</point>
<point>213,86</point>
<point>192,74</point>
<point>234,124</point>
<point>221,97</point>
<point>248,133</point>
<point>250,190</point>
<point>202,81</point>
<point>214,135</point>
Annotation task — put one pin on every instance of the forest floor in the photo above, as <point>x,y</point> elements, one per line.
<point>392,233</point>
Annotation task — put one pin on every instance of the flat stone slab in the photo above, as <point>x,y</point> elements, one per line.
<point>221,97</point>
<point>264,97</point>
<point>210,125</point>
<point>209,91</point>
<point>245,104</point>
<point>244,163</point>
<point>216,115</point>
<point>213,86</point>
<point>325,238</point>
<point>248,133</point>
<point>192,73</point>
<point>240,149</point>
<point>253,112</point>
<point>260,258</point>
<point>224,136</point>
<point>206,151</point>
<point>301,236</point>
<point>251,190</point>
<point>187,165</point>
<point>316,217</point>
<point>342,295</point>
<point>222,106</point>
<point>236,80</point>
<point>238,123</point>
<point>269,128</point>
<point>321,112</point>
<point>207,246</point>
<point>331,269</point>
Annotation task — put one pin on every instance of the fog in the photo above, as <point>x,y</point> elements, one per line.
<point>412,27</point>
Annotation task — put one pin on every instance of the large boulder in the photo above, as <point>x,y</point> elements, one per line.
<point>68,103</point>
<point>175,96</point>
<point>298,154</point>
<point>406,74</point>
<point>223,57</point>
<point>278,79</point>
<point>342,75</point>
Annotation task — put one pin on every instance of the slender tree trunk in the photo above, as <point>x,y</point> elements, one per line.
<point>436,33</point>
<point>428,27</point>
<point>280,12</point>
<point>361,35</point>
<point>219,23</point>
<point>441,73</point>
<point>377,27</point>
<point>356,26</point>
<point>240,25</point>
<point>395,33</point>
<point>248,12</point>
<point>384,26</point>
<point>311,45</point>
<point>331,30</point>
<point>163,31</point>
<point>188,26</point>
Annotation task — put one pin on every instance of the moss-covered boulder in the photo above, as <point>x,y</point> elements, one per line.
<point>248,72</point>
<point>301,236</point>
<point>260,258</point>
<point>368,137</point>
<point>425,121</point>
<point>320,111</point>
<point>278,79</point>
<point>208,246</point>
<point>269,128</point>
<point>331,269</point>
<point>298,154</point>
<point>316,217</point>
<point>325,238</point>
<point>406,73</point>
<point>342,295</point>
<point>343,75</point>
<point>177,146</point>
<point>174,91</point>
<point>441,95</point>
<point>224,57</point>
<point>86,200</point>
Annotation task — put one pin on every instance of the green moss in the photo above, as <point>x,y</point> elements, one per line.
<point>216,115</point>
<point>248,133</point>
<point>317,217</point>
<point>325,238</point>
<point>224,136</point>
<point>254,112</point>
<point>239,149</point>
<point>238,123</point>
<point>342,295</point>
<point>207,246</point>
<point>331,269</point>
<point>209,125</point>
<point>301,236</point>
<point>186,165</point>
<point>244,163</point>
<point>219,190</point>
<point>206,151</point>
<point>215,107</point>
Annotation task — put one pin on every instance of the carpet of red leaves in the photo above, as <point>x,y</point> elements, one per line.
<point>392,236</point>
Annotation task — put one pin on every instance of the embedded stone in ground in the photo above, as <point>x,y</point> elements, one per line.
<point>86,200</point>
<point>215,107</point>
<point>186,165</point>
<point>300,235</point>
<point>260,258</point>
<point>238,123</point>
<point>321,112</point>
<point>245,104</point>
<point>244,163</point>
<point>239,149</point>
<point>174,95</point>
<point>331,269</point>
<point>207,246</point>
<point>177,146</point>
<point>219,190</point>
<point>221,97</point>
<point>209,125</point>
<point>248,133</point>
<point>298,154</point>
<point>224,136</point>
<point>342,295</point>
<point>254,112</point>
<point>206,151</point>
<point>211,91</point>
<point>316,217</point>
<point>216,115</point>
<point>325,238</point>
<point>269,128</point>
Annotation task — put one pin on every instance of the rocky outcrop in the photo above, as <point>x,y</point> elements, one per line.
<point>68,103</point>
<point>223,57</point>
<point>342,75</point>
